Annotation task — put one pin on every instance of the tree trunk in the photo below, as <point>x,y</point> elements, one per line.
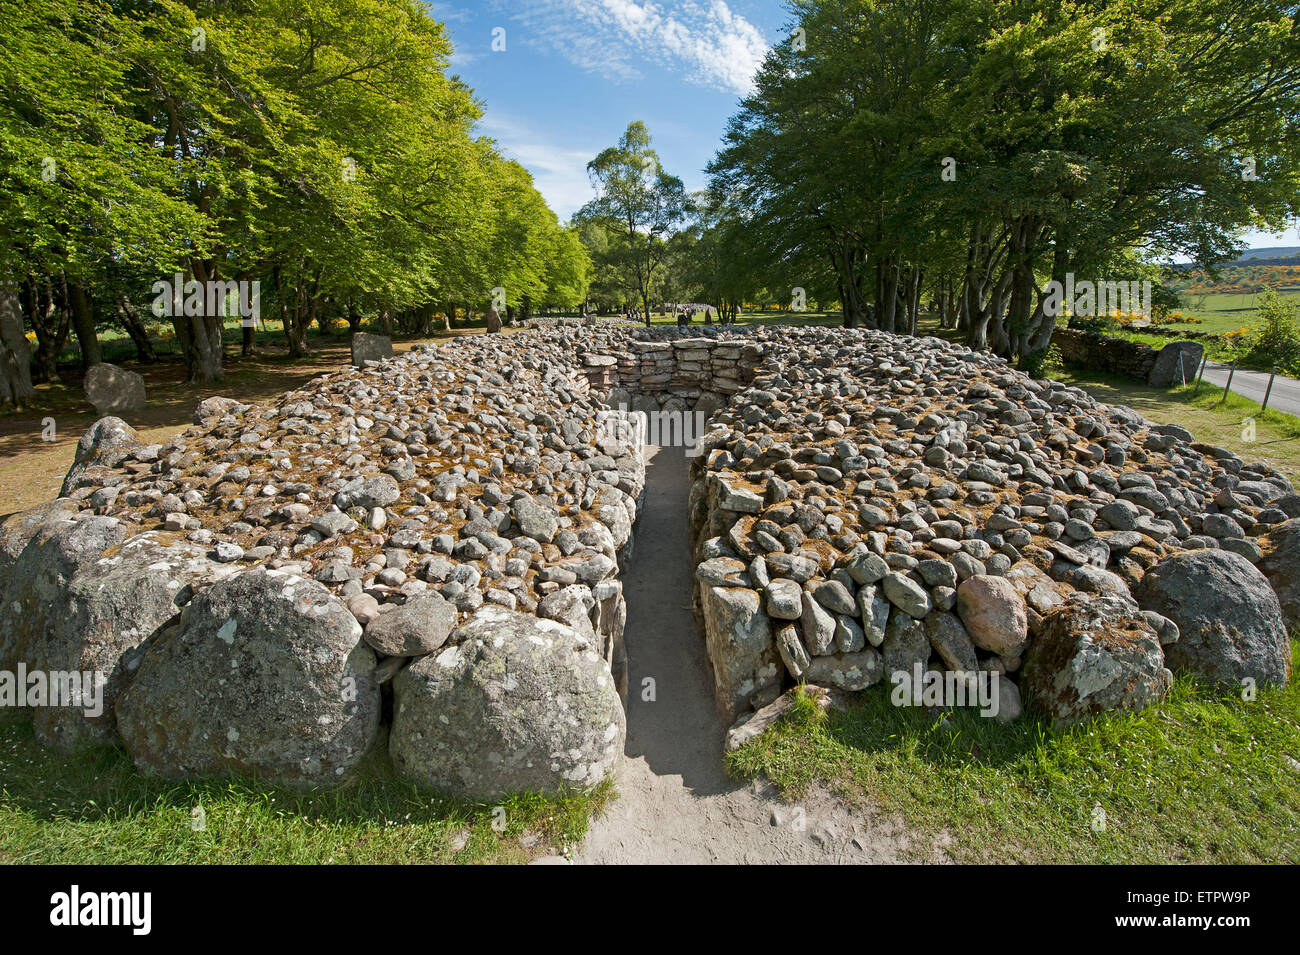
<point>134,325</point>
<point>83,323</point>
<point>50,324</point>
<point>205,334</point>
<point>15,354</point>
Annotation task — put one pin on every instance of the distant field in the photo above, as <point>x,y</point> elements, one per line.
<point>1226,311</point>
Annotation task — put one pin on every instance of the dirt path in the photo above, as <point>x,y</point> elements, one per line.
<point>676,803</point>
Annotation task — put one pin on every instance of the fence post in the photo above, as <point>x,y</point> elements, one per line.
<point>1205,360</point>
<point>1269,390</point>
<point>1226,388</point>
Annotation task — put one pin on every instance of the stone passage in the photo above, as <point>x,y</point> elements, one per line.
<point>424,552</point>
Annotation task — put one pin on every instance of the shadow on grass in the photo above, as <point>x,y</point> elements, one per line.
<point>98,791</point>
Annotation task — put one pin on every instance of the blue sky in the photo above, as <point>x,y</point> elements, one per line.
<point>574,73</point>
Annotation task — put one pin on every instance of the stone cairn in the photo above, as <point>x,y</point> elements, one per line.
<point>423,553</point>
<point>872,505</point>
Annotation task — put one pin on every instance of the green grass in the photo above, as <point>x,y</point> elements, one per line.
<point>1201,778</point>
<point>94,808</point>
<point>1205,414</point>
<point>1225,311</point>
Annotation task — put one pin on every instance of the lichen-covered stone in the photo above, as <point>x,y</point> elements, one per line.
<point>1093,656</point>
<point>514,704</point>
<point>265,675</point>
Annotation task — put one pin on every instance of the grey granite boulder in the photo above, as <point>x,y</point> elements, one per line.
<point>1092,656</point>
<point>419,626</point>
<point>106,443</point>
<point>265,675</point>
<point>1230,625</point>
<point>1165,370</point>
<point>741,647</point>
<point>994,613</point>
<point>1281,565</point>
<point>107,609</point>
<point>113,390</point>
<point>515,704</point>
<point>367,347</point>
<point>35,594</point>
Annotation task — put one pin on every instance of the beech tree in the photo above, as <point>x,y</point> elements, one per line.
<point>315,147</point>
<point>971,153</point>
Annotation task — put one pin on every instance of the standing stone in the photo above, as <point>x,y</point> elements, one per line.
<point>493,321</point>
<point>113,390</point>
<point>367,347</point>
<point>1165,370</point>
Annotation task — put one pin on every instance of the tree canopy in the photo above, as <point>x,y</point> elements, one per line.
<point>971,151</point>
<point>318,147</point>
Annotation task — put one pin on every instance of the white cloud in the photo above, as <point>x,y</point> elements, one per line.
<point>446,12</point>
<point>559,172</point>
<point>702,41</point>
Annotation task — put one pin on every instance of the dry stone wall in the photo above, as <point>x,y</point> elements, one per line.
<point>1081,348</point>
<point>422,553</point>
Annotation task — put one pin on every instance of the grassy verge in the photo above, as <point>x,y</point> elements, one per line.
<point>94,808</point>
<point>1276,436</point>
<point>1204,777</point>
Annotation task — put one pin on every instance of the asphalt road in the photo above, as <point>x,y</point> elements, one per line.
<point>1252,384</point>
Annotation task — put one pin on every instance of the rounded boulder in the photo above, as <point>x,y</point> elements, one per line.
<point>1229,620</point>
<point>515,703</point>
<point>265,675</point>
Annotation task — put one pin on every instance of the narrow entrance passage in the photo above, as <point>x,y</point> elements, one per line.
<point>675,802</point>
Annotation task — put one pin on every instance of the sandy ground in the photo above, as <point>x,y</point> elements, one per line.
<point>675,802</point>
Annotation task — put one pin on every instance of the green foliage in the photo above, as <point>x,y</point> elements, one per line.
<point>984,148</point>
<point>637,206</point>
<point>1045,363</point>
<point>1275,340</point>
<point>317,147</point>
